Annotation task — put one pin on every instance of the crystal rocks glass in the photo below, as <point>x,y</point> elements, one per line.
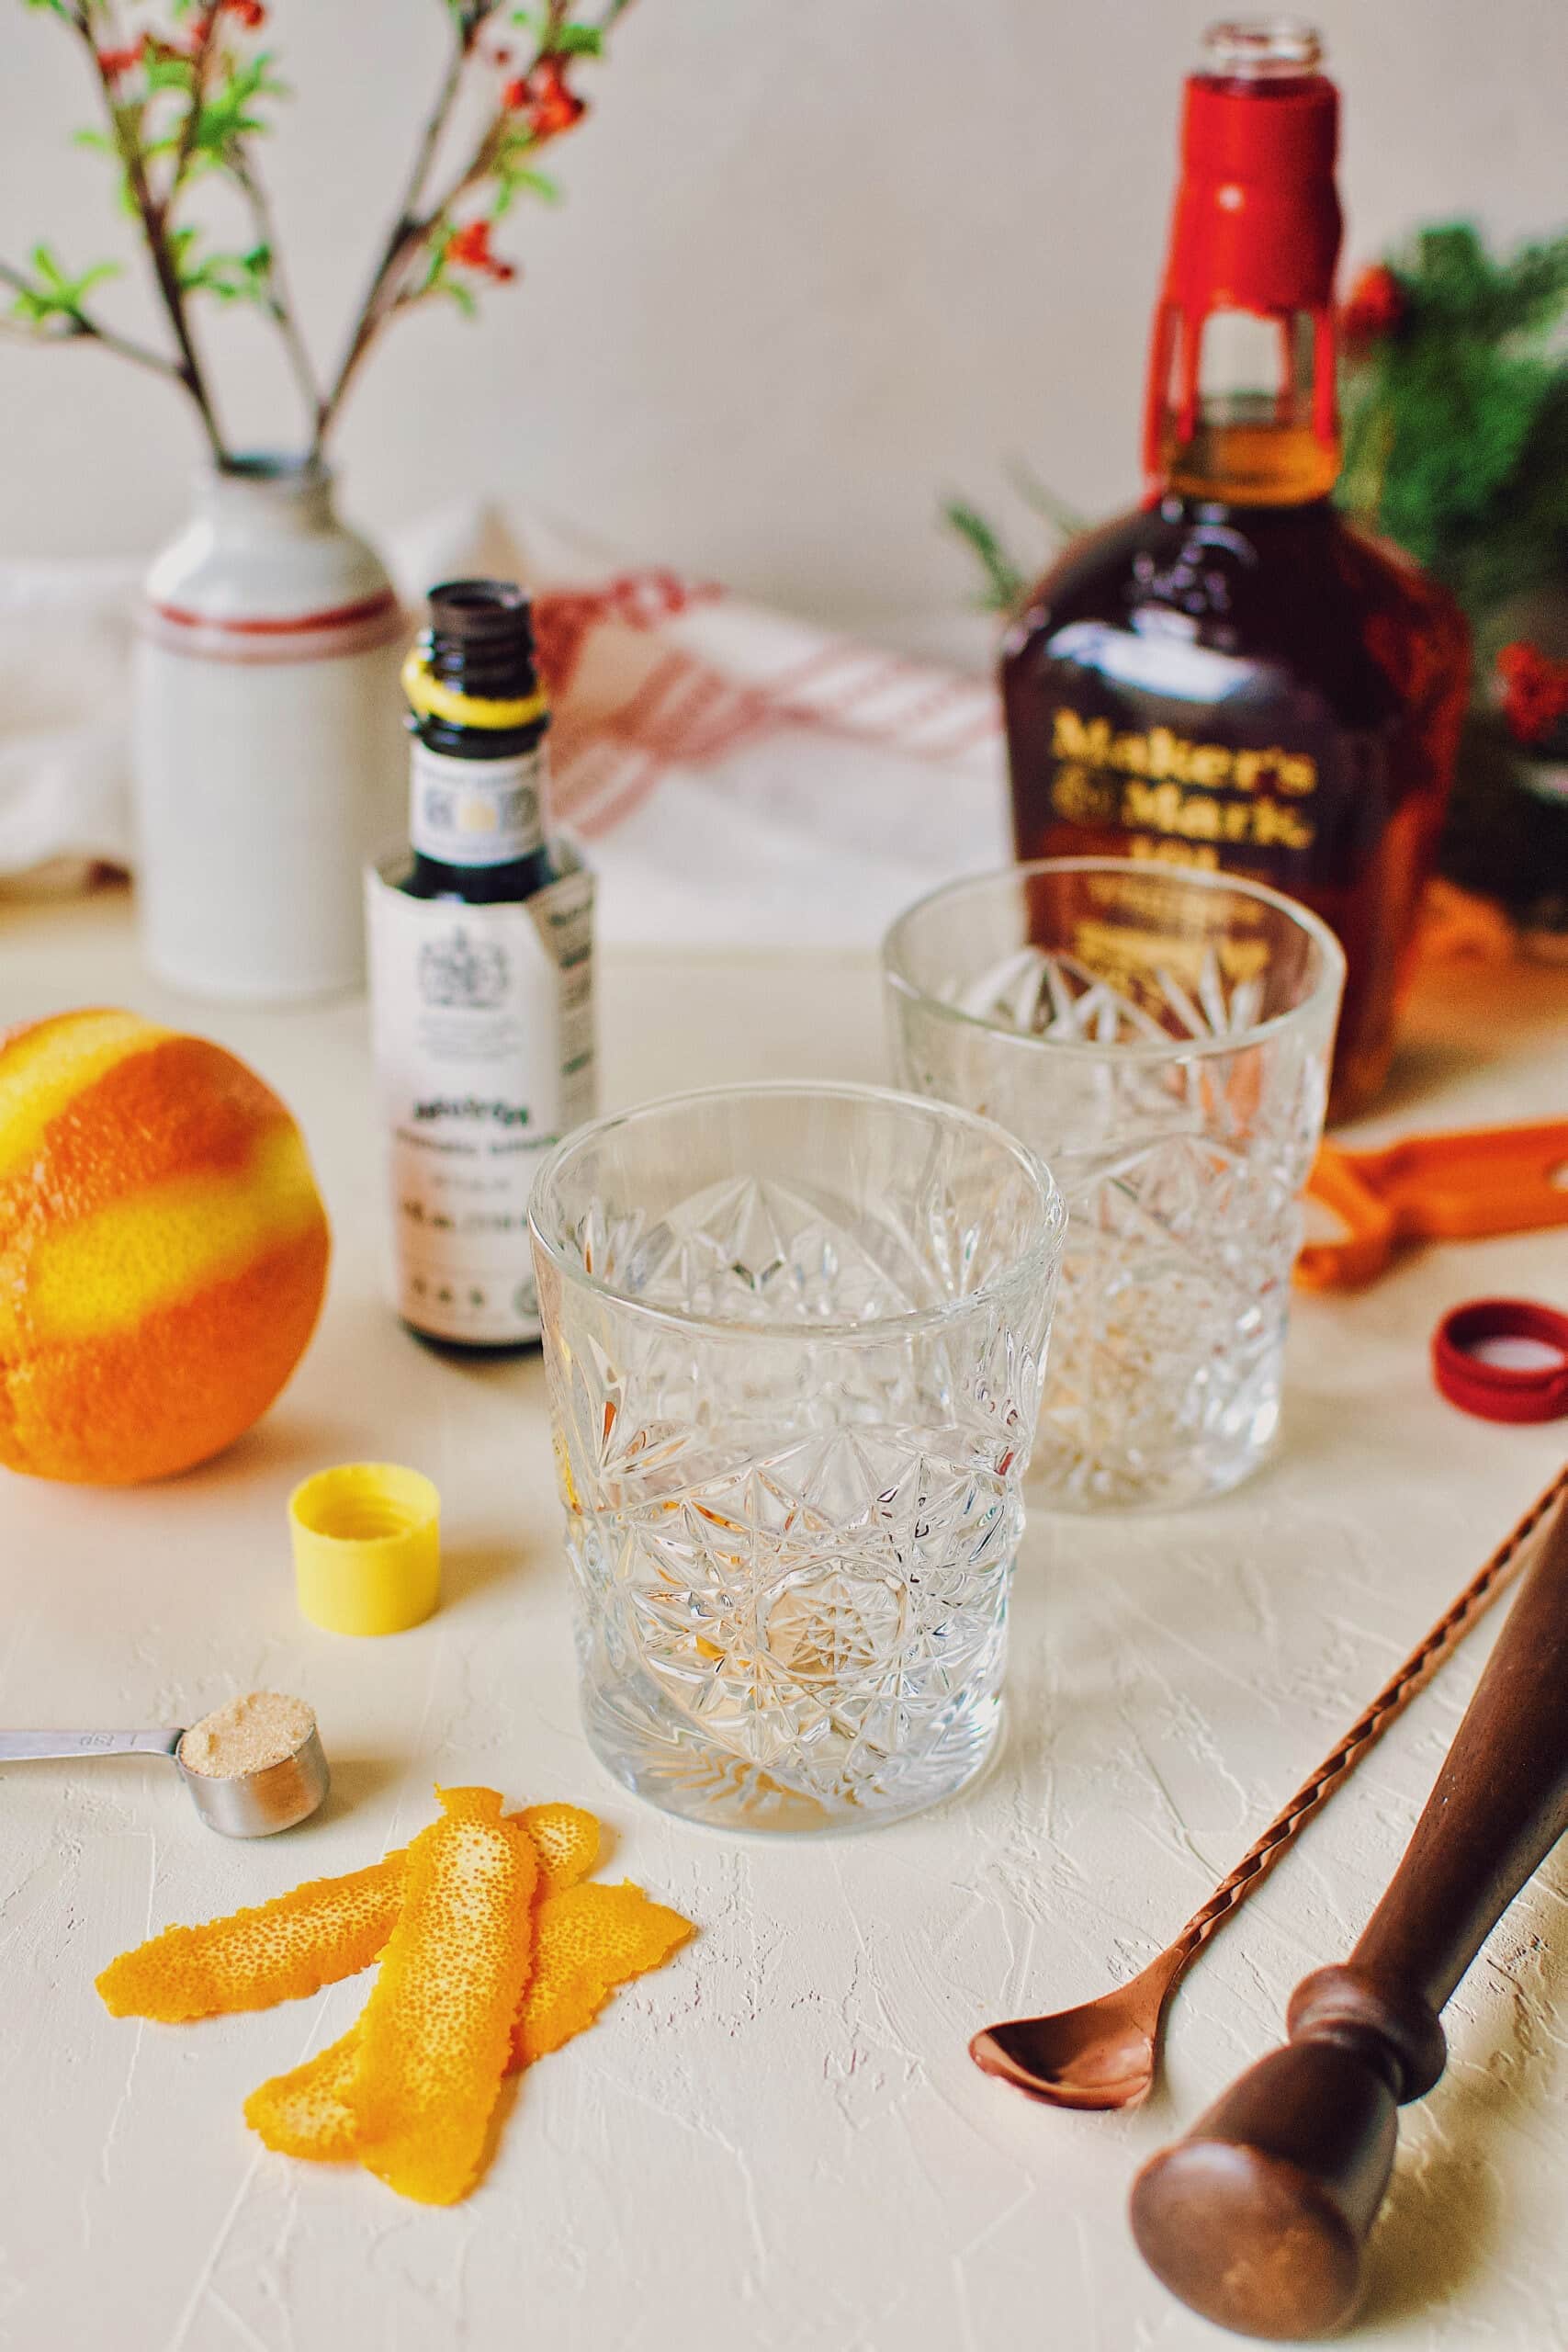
<point>795,1338</point>
<point>1162,1037</point>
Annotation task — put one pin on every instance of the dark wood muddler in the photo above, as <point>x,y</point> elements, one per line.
<point>1258,2219</point>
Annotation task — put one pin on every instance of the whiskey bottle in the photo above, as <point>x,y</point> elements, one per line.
<point>482,975</point>
<point>1230,677</point>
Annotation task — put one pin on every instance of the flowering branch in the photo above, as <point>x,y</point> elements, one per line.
<point>107,62</point>
<point>183,106</point>
<point>425,246</point>
<point>275,294</point>
<point>469,18</point>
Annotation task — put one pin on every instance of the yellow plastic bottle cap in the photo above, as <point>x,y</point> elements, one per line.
<point>366,1547</point>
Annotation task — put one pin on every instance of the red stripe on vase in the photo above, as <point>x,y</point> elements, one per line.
<point>368,608</point>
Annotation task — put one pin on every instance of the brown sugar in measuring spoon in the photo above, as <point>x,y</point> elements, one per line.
<point>1104,2053</point>
<point>252,1767</point>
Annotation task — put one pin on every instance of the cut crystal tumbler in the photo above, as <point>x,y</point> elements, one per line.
<point>794,1339</point>
<point>1162,1037</point>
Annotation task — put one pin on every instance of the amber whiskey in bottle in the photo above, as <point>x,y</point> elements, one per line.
<point>1230,677</point>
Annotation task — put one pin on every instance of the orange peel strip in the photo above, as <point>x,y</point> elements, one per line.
<point>315,1934</point>
<point>437,2033</point>
<point>588,1940</point>
<point>328,1928</point>
<point>310,2112</point>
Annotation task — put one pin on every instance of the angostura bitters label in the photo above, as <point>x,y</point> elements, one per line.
<point>484,1047</point>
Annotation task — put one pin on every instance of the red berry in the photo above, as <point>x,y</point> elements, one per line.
<point>1375,307</point>
<point>1535,692</point>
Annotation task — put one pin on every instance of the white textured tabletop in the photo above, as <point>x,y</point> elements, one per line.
<point>777,2143</point>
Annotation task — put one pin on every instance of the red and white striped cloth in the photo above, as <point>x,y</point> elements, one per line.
<point>741,778</point>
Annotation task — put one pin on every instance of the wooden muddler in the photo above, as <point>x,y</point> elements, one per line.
<point>1258,2219</point>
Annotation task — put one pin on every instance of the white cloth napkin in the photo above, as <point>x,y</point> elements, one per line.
<point>740,778</point>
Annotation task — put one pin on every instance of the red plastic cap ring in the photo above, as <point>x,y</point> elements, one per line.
<point>1502,1392</point>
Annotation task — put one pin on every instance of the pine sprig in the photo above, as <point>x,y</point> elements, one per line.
<point>1457,415</point>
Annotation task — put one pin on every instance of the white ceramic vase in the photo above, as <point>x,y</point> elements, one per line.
<point>269,751</point>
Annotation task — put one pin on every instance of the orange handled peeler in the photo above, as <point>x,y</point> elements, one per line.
<point>1433,1188</point>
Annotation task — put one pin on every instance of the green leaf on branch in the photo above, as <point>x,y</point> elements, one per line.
<point>227,276</point>
<point>577,40</point>
<point>165,70</point>
<point>512,181</point>
<point>227,115</point>
<point>55,293</point>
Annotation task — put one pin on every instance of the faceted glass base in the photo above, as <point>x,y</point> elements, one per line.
<point>682,1775</point>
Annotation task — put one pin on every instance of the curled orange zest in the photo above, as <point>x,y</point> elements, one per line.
<point>315,1934</point>
<point>588,1940</point>
<point>437,2033</point>
<point>328,1928</point>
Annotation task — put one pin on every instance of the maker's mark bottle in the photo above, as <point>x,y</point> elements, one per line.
<point>1230,677</point>
<point>481,976</point>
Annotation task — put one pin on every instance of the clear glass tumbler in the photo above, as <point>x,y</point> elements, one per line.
<point>1162,1037</point>
<point>795,1338</point>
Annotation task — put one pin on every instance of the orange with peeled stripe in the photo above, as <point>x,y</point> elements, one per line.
<point>163,1249</point>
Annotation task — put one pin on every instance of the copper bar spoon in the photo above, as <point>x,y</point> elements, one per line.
<point>1259,2218</point>
<point>1104,2053</point>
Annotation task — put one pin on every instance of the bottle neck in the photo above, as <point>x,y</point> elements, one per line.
<point>261,498</point>
<point>1241,393</point>
<point>478,781</point>
<point>1242,407</point>
<point>477,803</point>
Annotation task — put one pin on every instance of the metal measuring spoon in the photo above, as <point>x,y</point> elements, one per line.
<point>239,1805</point>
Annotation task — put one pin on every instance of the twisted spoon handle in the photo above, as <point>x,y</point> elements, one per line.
<point>1391,1702</point>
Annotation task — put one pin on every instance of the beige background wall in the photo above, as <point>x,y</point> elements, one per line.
<point>821,260</point>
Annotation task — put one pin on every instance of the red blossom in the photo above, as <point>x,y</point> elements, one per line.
<point>1375,308</point>
<point>1535,691</point>
<point>469,248</point>
<point>113,63</point>
<point>543,95</point>
<point>250,13</point>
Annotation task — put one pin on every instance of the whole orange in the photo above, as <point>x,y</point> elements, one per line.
<point>163,1249</point>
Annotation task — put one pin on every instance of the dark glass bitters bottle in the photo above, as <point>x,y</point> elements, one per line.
<point>477,815</point>
<point>481,976</point>
<point>1230,677</point>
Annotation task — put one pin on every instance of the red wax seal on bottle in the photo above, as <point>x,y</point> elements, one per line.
<point>1256,222</point>
<point>1502,1392</point>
